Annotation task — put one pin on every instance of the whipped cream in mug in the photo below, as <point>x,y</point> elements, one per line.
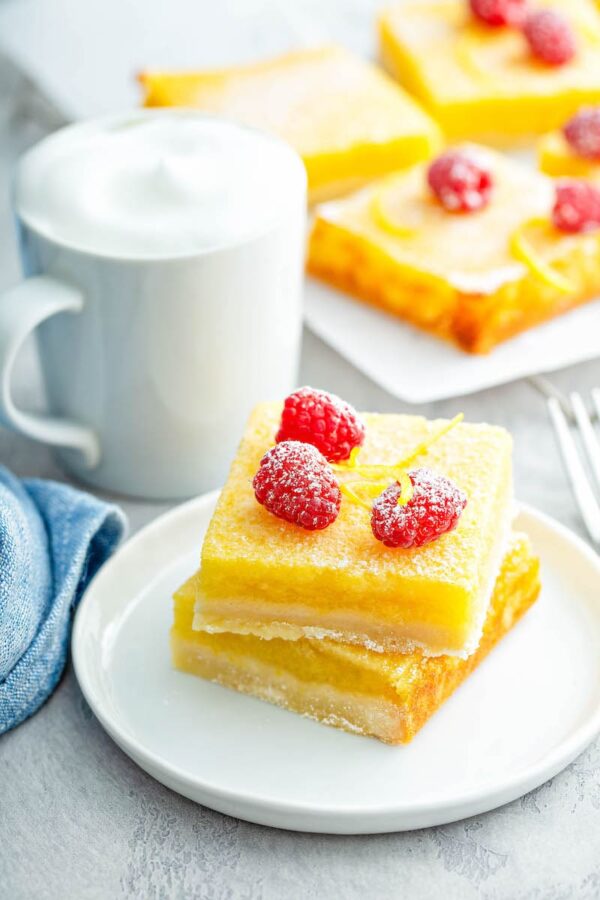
<point>163,256</point>
<point>149,186</point>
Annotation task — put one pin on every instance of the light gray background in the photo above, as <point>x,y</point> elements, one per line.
<point>78,820</point>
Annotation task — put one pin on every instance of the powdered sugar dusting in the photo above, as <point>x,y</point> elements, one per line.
<point>434,509</point>
<point>322,419</point>
<point>460,182</point>
<point>550,36</point>
<point>576,207</point>
<point>583,133</point>
<point>295,483</point>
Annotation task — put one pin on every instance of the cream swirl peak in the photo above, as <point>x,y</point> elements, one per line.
<point>155,184</point>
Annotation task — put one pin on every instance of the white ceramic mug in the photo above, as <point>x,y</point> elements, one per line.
<point>153,360</point>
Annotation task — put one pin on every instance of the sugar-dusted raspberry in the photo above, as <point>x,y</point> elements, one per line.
<point>434,509</point>
<point>576,206</point>
<point>323,420</point>
<point>550,37</point>
<point>295,483</point>
<point>583,133</point>
<point>460,182</point>
<point>499,12</point>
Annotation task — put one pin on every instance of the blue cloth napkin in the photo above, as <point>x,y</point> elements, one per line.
<point>53,539</point>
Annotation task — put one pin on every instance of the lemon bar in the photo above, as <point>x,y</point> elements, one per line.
<point>347,119</point>
<point>558,159</point>
<point>389,696</point>
<point>475,279</point>
<point>261,575</point>
<point>481,82</point>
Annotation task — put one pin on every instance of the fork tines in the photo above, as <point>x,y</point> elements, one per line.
<point>575,459</point>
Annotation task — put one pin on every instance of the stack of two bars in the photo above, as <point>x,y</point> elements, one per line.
<point>337,626</point>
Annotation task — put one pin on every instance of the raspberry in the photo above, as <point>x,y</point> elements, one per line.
<point>499,12</point>
<point>295,483</point>
<point>576,207</point>
<point>459,182</point>
<point>323,420</point>
<point>550,37</point>
<point>434,509</point>
<point>583,133</point>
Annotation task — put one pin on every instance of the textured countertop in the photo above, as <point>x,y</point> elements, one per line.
<point>79,820</point>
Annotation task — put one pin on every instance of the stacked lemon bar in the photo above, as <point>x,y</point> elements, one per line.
<point>356,569</point>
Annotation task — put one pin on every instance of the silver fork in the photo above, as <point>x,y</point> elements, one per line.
<point>565,412</point>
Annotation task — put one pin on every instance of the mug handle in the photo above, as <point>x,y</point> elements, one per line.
<point>22,309</point>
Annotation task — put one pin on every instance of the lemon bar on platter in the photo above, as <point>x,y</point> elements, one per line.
<point>388,696</point>
<point>475,269</point>
<point>484,82</point>
<point>264,576</point>
<point>346,118</point>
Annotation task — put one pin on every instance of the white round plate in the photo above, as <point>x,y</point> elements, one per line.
<point>526,712</point>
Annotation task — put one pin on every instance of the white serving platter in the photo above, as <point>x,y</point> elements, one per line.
<point>527,711</point>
